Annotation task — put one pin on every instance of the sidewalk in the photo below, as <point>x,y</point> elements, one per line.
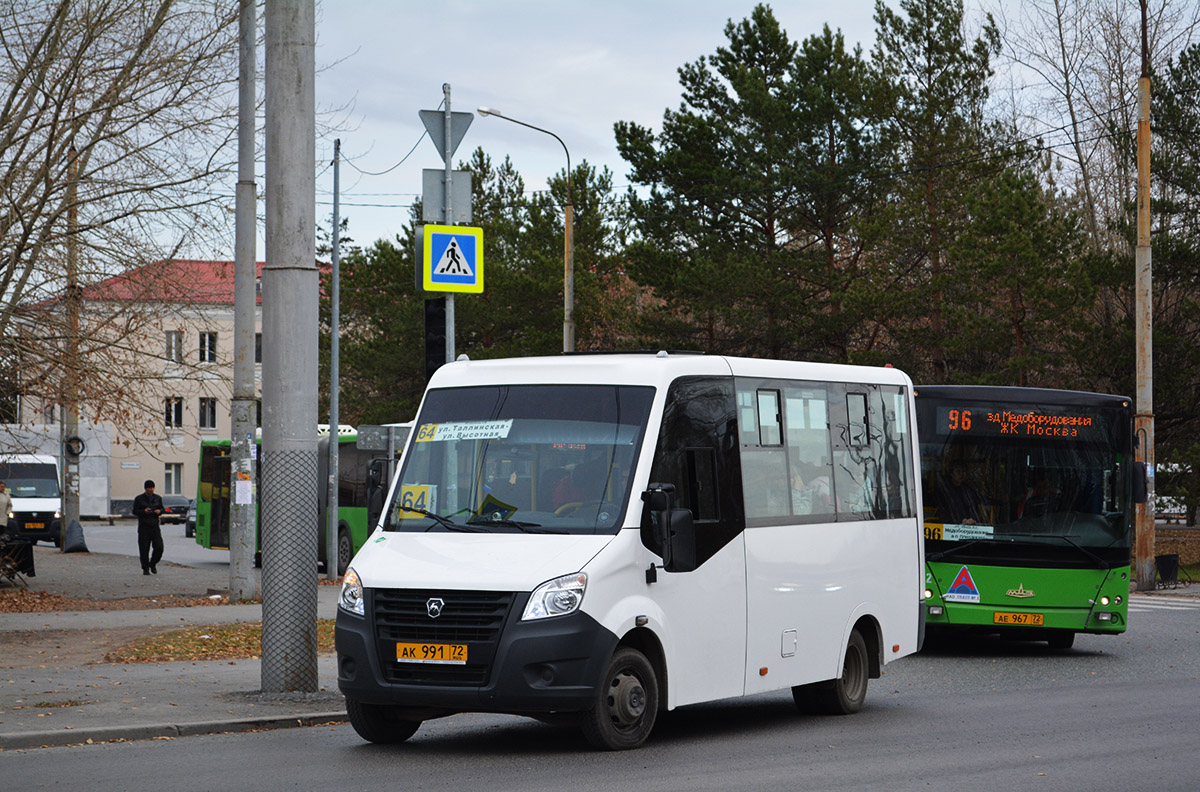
<point>55,688</point>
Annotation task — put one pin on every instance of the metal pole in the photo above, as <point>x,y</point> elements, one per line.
<point>331,500</point>
<point>448,218</point>
<point>569,270</point>
<point>243,517</point>
<point>1144,419</point>
<point>70,499</point>
<point>568,236</point>
<point>289,443</point>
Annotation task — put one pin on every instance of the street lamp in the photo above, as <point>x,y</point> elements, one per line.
<point>569,237</point>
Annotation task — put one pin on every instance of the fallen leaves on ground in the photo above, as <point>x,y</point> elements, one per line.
<point>240,641</point>
<point>22,600</point>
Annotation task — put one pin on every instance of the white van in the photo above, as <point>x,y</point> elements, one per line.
<point>32,483</point>
<point>596,538</point>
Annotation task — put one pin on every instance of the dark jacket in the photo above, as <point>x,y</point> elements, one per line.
<point>144,507</point>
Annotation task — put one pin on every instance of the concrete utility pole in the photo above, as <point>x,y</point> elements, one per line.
<point>1144,419</point>
<point>71,305</point>
<point>243,516</point>
<point>335,319</point>
<point>289,442</point>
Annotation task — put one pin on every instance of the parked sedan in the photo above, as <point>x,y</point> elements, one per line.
<point>177,508</point>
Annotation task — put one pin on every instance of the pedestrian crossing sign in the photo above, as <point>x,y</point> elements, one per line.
<point>453,259</point>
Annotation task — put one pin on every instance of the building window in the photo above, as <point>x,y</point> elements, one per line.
<point>173,478</point>
<point>258,347</point>
<point>208,413</point>
<point>208,347</point>
<point>174,411</point>
<point>174,346</point>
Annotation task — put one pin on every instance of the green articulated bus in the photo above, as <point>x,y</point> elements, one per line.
<point>1028,499</point>
<point>362,483</point>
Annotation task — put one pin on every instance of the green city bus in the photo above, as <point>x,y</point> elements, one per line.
<point>1028,498</point>
<point>362,483</point>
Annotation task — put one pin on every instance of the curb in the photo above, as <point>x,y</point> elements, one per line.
<point>103,734</point>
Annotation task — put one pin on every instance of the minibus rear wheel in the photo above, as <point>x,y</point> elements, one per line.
<point>626,705</point>
<point>380,723</point>
<point>844,695</point>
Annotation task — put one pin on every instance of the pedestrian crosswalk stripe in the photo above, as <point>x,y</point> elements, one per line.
<point>1146,603</point>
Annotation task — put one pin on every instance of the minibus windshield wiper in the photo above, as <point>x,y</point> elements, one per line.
<point>527,527</point>
<point>445,522</point>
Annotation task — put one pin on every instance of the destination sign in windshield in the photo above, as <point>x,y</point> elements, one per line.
<point>1019,421</point>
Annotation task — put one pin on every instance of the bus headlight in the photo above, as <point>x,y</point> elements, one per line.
<point>928,594</point>
<point>351,598</point>
<point>1104,600</point>
<point>556,597</point>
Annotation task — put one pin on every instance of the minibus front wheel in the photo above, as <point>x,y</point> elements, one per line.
<point>380,723</point>
<point>627,704</point>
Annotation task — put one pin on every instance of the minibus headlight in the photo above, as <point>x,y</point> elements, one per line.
<point>351,598</point>
<point>556,597</point>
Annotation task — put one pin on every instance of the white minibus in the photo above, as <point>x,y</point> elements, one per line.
<point>594,539</point>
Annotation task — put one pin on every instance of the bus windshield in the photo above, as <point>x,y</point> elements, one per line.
<point>1006,481</point>
<point>521,458</point>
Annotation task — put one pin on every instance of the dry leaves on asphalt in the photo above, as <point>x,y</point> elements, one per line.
<point>241,641</point>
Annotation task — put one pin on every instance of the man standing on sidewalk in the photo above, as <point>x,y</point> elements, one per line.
<point>147,507</point>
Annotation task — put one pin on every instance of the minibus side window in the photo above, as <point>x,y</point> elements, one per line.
<point>697,452</point>
<point>872,459</point>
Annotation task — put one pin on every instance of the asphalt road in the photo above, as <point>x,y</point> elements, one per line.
<point>121,539</point>
<point>1114,713</point>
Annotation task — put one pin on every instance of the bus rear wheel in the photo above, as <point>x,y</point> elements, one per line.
<point>626,705</point>
<point>380,723</point>
<point>844,695</point>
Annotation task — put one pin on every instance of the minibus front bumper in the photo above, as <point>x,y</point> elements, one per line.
<point>538,666</point>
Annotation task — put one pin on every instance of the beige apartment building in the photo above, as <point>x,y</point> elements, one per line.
<point>173,373</point>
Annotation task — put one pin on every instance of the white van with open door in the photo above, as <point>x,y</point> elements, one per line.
<point>596,538</point>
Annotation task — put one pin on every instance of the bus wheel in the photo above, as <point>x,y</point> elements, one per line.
<point>1061,641</point>
<point>379,723</point>
<point>626,705</point>
<point>842,696</point>
<point>345,551</point>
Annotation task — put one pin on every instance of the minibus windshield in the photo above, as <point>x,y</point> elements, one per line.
<point>521,459</point>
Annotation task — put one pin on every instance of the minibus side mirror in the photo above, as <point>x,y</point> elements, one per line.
<point>680,545</point>
<point>671,533</point>
<point>1140,487</point>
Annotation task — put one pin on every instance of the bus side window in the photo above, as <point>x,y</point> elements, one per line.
<point>697,451</point>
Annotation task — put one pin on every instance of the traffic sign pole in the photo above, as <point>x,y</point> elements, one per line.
<point>448,217</point>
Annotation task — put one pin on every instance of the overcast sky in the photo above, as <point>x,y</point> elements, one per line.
<point>571,66</point>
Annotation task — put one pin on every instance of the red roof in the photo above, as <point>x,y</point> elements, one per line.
<point>174,280</point>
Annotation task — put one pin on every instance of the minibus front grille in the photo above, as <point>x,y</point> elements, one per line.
<point>471,618</point>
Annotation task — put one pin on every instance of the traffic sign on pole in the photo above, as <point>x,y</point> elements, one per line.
<point>435,122</point>
<point>452,259</point>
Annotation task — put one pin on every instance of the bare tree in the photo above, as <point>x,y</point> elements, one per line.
<point>1078,62</point>
<point>117,146</point>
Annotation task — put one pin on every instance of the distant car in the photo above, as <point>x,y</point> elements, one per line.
<point>177,509</point>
